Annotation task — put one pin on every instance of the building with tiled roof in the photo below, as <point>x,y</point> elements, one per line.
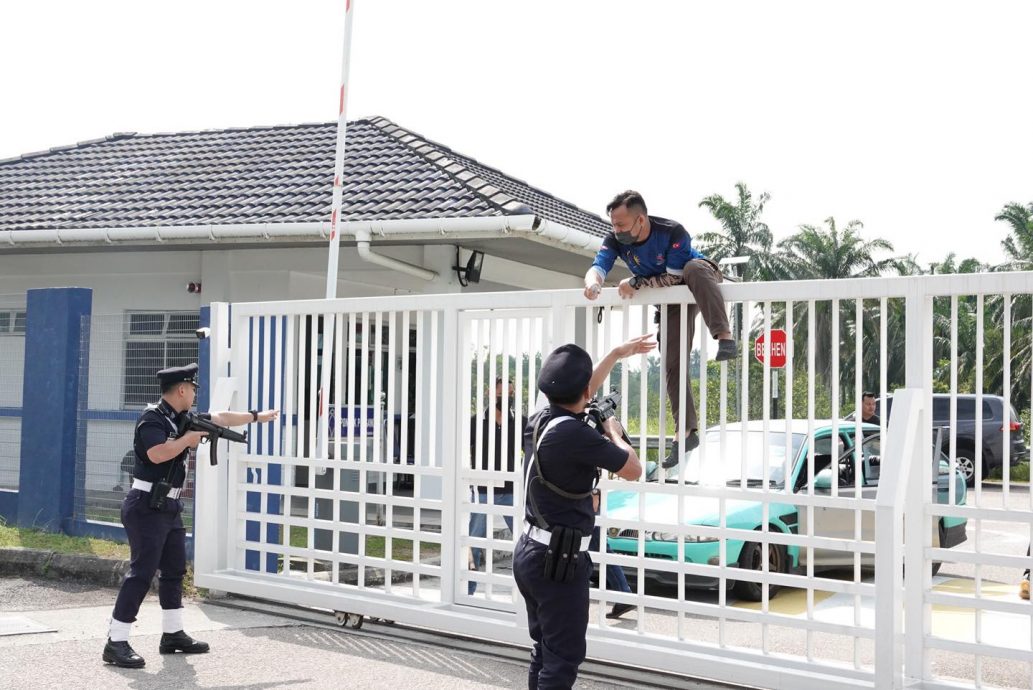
<point>160,225</point>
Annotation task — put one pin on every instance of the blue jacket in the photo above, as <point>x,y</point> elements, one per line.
<point>667,249</point>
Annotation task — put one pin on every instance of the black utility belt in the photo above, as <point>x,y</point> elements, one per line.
<point>158,491</point>
<point>564,546</point>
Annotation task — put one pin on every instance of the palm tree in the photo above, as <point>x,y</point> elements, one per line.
<point>1018,246</point>
<point>830,253</point>
<point>742,231</point>
<point>966,347</point>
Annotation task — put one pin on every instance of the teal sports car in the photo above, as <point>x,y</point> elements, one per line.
<point>662,509</point>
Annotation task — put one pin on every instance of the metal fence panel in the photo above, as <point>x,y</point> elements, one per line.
<point>12,361</point>
<point>124,351</point>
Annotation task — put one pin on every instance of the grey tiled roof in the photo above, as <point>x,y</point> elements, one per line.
<point>262,175</point>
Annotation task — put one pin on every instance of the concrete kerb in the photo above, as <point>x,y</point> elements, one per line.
<point>62,566</point>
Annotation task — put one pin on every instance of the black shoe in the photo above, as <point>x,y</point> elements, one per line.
<point>122,655</point>
<point>674,457</point>
<point>181,642</point>
<point>726,349</point>
<point>619,610</point>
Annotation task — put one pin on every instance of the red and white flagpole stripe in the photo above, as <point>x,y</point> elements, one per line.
<point>333,257</point>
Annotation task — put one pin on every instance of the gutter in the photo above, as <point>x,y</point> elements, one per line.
<point>364,231</point>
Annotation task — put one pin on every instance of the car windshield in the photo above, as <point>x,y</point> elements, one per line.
<point>711,465</point>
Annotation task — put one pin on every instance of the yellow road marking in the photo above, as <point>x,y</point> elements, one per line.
<point>788,602</point>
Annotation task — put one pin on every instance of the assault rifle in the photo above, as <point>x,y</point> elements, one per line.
<point>601,409</point>
<point>193,422</point>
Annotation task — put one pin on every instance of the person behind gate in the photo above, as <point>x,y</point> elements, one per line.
<point>659,252</point>
<point>563,457</point>
<point>154,524</point>
<point>506,445</point>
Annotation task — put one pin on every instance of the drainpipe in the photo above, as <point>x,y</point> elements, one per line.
<point>362,240</point>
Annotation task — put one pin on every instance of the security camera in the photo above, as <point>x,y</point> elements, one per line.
<point>203,333</point>
<point>194,288</point>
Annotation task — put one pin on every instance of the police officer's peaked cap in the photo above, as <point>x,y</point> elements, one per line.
<point>566,372</point>
<point>174,375</point>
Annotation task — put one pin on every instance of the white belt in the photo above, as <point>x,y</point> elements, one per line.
<point>542,537</point>
<point>141,485</point>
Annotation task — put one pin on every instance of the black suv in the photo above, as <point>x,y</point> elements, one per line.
<point>993,431</point>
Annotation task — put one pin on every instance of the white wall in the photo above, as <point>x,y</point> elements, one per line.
<point>124,280</point>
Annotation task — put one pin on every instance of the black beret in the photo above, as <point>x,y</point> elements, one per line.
<point>173,375</point>
<point>565,372</point>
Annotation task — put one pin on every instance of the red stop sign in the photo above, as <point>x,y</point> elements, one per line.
<point>777,349</point>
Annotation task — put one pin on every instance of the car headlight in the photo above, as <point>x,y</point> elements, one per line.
<point>673,536</point>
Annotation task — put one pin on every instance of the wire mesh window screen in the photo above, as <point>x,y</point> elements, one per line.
<point>12,361</point>
<point>155,341</point>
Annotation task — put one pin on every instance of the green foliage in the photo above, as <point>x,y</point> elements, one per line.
<point>61,543</point>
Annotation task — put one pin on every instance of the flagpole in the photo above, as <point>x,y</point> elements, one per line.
<point>333,257</point>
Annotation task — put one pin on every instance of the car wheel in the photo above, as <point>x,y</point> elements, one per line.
<point>751,558</point>
<point>967,466</point>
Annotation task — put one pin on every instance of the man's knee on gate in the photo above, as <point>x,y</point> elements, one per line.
<point>696,269</point>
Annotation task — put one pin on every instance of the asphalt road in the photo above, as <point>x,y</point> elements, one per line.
<point>249,650</point>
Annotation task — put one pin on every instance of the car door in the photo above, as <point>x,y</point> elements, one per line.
<point>837,523</point>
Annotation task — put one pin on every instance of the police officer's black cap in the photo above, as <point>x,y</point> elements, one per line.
<point>565,372</point>
<point>174,375</point>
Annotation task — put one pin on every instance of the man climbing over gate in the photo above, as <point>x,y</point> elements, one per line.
<point>659,253</point>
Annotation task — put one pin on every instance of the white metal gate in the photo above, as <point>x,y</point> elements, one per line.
<point>375,517</point>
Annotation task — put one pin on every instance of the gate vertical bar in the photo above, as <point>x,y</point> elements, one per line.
<point>449,356</point>
<point>918,355</point>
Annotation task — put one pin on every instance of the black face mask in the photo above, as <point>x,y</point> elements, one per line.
<point>626,237</point>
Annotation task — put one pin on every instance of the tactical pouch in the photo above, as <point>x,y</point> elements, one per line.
<point>159,491</point>
<point>561,558</point>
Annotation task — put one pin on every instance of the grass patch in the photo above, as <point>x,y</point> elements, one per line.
<point>87,546</point>
<point>401,549</point>
<point>1019,473</point>
<point>61,543</point>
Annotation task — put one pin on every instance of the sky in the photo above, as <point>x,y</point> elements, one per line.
<point>913,118</point>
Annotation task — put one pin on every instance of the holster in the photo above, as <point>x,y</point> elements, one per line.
<point>561,558</point>
<point>159,492</point>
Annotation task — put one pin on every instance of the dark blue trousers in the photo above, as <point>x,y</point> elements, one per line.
<point>557,616</point>
<point>157,541</point>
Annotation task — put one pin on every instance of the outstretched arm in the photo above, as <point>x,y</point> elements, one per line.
<point>242,418</point>
<point>635,346</point>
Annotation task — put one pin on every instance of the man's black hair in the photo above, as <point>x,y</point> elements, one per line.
<point>166,387</point>
<point>867,394</point>
<point>630,199</point>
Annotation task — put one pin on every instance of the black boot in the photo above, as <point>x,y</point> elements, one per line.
<point>674,457</point>
<point>619,610</point>
<point>726,350</point>
<point>181,642</point>
<point>122,655</point>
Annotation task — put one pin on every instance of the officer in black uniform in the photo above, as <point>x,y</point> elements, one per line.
<point>157,539</point>
<point>563,457</point>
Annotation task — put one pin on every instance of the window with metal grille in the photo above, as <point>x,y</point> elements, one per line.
<point>12,323</point>
<point>155,341</point>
